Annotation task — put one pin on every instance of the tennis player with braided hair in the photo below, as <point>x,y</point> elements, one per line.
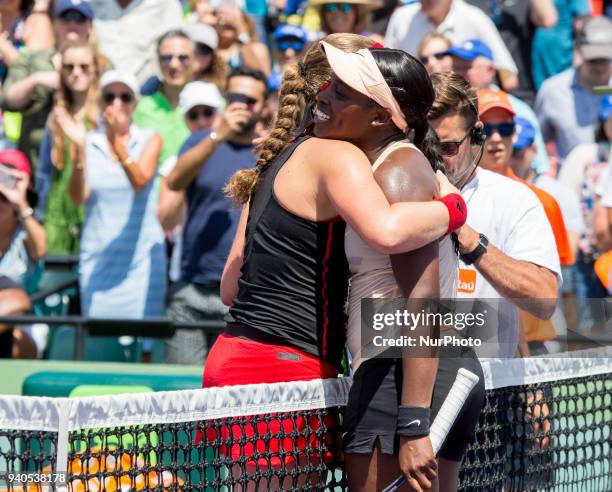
<point>286,275</point>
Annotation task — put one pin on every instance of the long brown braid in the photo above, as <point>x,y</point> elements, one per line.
<point>301,82</point>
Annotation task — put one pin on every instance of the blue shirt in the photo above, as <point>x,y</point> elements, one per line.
<point>553,48</point>
<point>567,111</point>
<point>212,218</point>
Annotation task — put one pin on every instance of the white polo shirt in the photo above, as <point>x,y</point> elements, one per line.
<point>128,36</point>
<point>513,219</point>
<point>409,24</point>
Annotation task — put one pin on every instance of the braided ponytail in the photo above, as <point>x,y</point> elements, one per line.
<point>301,82</point>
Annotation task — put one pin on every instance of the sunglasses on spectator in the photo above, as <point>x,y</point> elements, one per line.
<point>109,97</point>
<point>69,67</point>
<point>437,56</point>
<point>505,130</point>
<point>233,97</point>
<point>335,7</point>
<point>599,61</point>
<point>73,16</point>
<point>450,148</point>
<point>204,112</point>
<point>184,59</point>
<point>285,44</point>
<point>203,50</point>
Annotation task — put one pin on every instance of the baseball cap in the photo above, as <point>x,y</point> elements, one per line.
<point>114,76</point>
<point>200,94</point>
<point>471,49</point>
<point>360,72</point>
<point>605,108</point>
<point>81,6</point>
<point>17,160</point>
<point>274,81</point>
<point>489,99</point>
<point>203,34</point>
<point>290,31</point>
<point>524,133</point>
<point>595,38</point>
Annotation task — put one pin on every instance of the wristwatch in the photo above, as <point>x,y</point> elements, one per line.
<point>471,257</point>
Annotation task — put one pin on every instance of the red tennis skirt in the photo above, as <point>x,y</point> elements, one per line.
<point>234,360</point>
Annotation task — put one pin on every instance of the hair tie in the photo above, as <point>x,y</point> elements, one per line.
<point>302,68</point>
<point>376,44</point>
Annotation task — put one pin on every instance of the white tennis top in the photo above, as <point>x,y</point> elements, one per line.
<point>372,273</point>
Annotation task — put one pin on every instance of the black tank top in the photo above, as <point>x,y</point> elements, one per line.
<point>294,276</point>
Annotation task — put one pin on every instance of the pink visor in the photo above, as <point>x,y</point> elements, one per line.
<point>360,72</point>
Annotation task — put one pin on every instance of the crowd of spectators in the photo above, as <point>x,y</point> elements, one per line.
<point>122,121</point>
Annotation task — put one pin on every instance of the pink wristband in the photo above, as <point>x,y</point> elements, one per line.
<point>457,211</point>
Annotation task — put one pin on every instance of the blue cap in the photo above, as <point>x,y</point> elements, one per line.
<point>470,49</point>
<point>605,108</point>
<point>81,6</point>
<point>290,31</point>
<point>274,81</point>
<point>525,133</point>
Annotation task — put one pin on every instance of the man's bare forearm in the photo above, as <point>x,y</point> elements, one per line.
<point>190,164</point>
<point>520,281</point>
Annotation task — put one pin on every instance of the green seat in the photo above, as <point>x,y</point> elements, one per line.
<point>61,347</point>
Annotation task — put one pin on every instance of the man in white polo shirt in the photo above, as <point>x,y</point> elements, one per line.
<point>507,249</point>
<point>459,22</point>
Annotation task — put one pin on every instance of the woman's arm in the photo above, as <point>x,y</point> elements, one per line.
<point>417,275</point>
<point>389,229</point>
<point>233,265</point>
<point>78,188</point>
<point>139,172</point>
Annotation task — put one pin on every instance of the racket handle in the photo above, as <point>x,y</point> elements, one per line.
<point>458,394</point>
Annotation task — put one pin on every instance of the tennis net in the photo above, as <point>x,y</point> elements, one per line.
<point>545,426</point>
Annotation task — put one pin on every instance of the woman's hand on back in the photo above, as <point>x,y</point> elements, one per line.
<point>444,185</point>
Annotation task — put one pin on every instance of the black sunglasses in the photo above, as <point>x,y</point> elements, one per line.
<point>69,67</point>
<point>109,97</point>
<point>437,56</point>
<point>505,130</point>
<point>73,16</point>
<point>206,112</point>
<point>450,148</point>
<point>233,97</point>
<point>184,59</point>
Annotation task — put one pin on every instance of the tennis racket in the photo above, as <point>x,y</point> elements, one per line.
<point>464,382</point>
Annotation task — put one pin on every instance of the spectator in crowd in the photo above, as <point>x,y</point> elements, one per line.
<point>459,22</point>
<point>582,170</point>
<point>473,60</point>
<point>22,239</point>
<point>208,66</point>
<point>206,162</point>
<point>238,42</point>
<point>516,22</point>
<point>14,342</point>
<point>552,48</point>
<point>20,28</point>
<point>201,104</point>
<point>160,110</point>
<point>603,221</point>
<point>524,151</point>
<point>127,32</point>
<point>507,248</point>
<point>348,16</point>
<point>76,106</point>
<point>497,116</point>
<point>33,76</point>
<point>433,53</point>
<point>289,42</point>
<point>122,265</point>
<point>565,104</point>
